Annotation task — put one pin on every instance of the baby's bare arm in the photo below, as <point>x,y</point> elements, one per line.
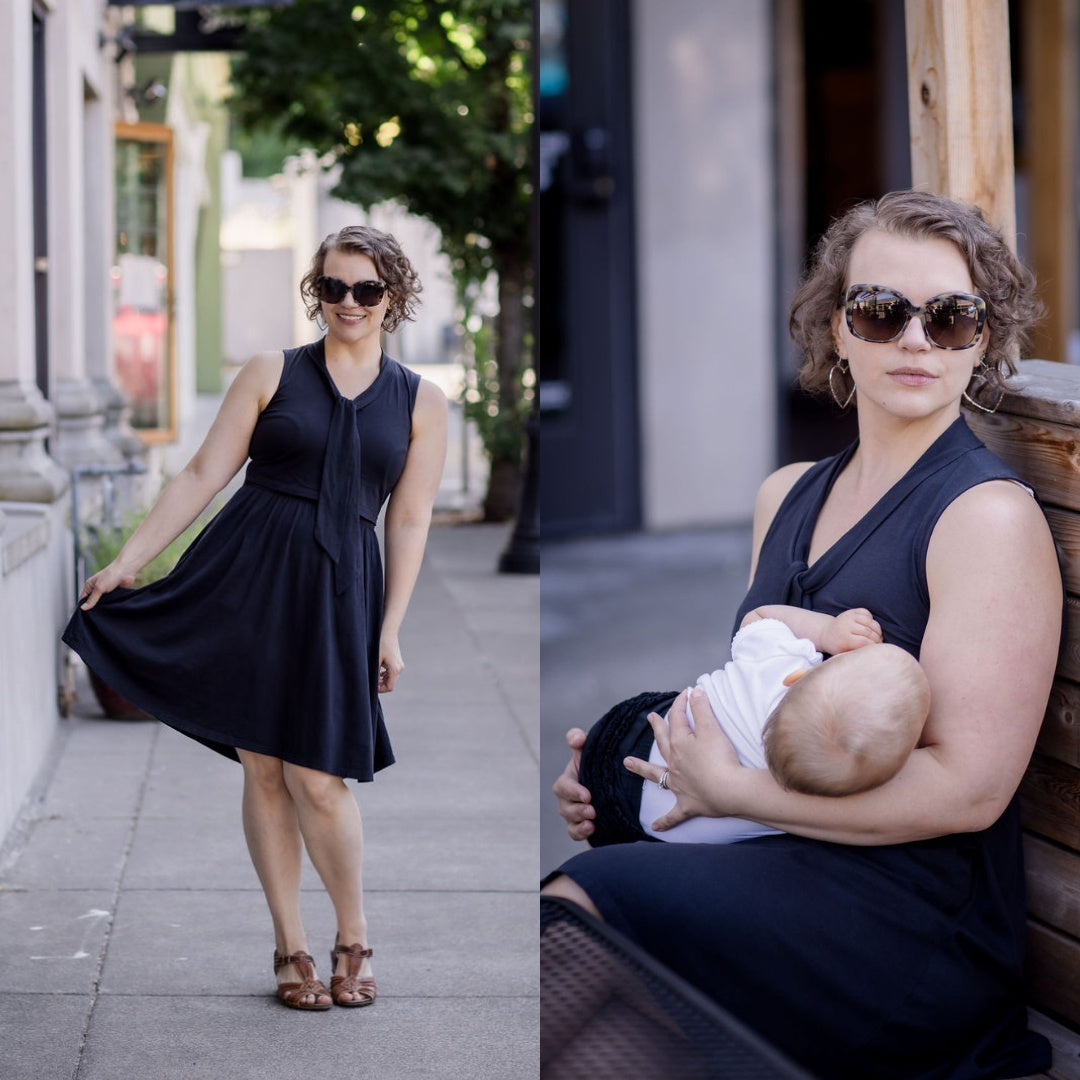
<point>849,630</point>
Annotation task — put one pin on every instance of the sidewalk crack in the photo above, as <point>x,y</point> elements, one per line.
<point>95,989</point>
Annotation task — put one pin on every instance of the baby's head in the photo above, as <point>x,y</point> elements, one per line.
<point>848,724</point>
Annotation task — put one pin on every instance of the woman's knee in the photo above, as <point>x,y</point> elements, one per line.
<point>262,772</point>
<point>568,889</point>
<point>318,790</point>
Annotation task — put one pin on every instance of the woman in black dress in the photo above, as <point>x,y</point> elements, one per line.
<point>881,934</point>
<point>274,636</point>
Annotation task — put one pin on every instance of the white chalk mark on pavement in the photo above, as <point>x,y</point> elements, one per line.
<point>92,919</point>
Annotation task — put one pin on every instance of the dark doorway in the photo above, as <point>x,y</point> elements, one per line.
<point>586,356</point>
<point>855,145</point>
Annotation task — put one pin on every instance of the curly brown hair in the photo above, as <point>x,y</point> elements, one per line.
<point>390,263</point>
<point>1007,286</point>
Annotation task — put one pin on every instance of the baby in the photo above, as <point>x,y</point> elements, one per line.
<point>832,728</point>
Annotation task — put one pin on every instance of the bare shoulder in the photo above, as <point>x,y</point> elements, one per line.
<point>1000,509</point>
<point>429,395</point>
<point>995,590</point>
<point>774,489</point>
<point>263,364</point>
<point>259,377</point>
<point>996,532</point>
<point>431,405</point>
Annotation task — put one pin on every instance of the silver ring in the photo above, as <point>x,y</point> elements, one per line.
<point>662,782</point>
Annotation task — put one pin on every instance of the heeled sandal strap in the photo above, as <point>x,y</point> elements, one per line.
<point>357,951</point>
<point>300,959</point>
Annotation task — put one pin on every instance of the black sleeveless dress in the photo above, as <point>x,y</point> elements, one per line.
<point>266,634</point>
<point>900,961</point>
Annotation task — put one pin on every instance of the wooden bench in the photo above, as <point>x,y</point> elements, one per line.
<point>1036,429</point>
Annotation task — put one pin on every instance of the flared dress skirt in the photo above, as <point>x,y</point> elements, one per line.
<point>256,640</point>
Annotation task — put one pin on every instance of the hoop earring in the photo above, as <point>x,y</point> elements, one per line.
<point>982,408</point>
<point>972,402</point>
<point>832,389</point>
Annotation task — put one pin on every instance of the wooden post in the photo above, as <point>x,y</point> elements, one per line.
<point>959,96</point>
<point>960,104</point>
<point>1050,110</point>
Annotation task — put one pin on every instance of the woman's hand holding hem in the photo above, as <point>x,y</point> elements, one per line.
<point>104,581</point>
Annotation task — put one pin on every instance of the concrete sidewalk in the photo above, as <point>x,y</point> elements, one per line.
<point>135,943</point>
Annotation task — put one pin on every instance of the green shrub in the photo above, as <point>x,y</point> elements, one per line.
<point>102,543</point>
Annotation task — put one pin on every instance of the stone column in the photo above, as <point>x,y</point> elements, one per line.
<point>77,198</point>
<point>27,473</point>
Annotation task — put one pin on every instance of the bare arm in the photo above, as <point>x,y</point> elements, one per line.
<point>215,463</point>
<point>832,634</point>
<point>408,517</point>
<point>989,653</point>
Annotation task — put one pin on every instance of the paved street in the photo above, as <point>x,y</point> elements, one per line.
<point>624,614</point>
<point>134,939</point>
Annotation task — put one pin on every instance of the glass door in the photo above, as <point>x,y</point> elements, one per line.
<point>143,323</point>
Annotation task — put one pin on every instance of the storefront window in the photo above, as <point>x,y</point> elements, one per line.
<point>143,342</point>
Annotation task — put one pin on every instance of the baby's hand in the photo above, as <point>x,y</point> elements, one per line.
<point>851,629</point>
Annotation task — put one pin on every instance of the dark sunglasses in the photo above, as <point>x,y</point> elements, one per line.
<point>365,293</point>
<point>950,321</point>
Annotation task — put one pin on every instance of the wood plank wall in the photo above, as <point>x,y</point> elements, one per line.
<point>1037,431</point>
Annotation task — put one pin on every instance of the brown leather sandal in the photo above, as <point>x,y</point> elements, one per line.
<point>291,993</point>
<point>351,983</point>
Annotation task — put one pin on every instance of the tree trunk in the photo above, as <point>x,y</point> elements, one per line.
<point>505,481</point>
<point>510,326</point>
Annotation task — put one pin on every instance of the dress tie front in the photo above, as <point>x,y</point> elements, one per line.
<point>337,512</point>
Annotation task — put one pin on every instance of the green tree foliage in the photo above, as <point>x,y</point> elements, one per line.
<point>426,102</point>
